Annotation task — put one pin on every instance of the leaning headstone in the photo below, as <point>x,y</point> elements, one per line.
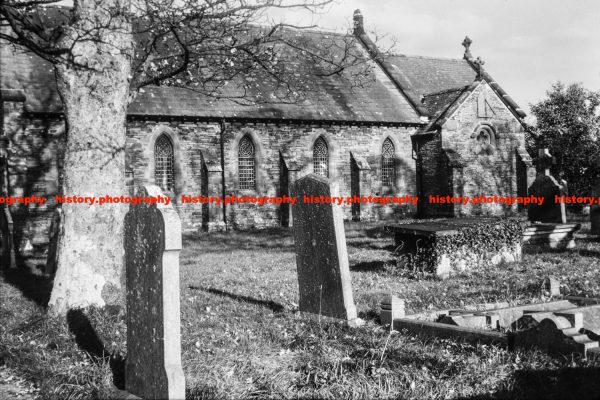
<point>321,254</point>
<point>152,244</point>
<point>546,186</point>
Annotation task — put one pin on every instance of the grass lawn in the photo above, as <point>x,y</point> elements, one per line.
<point>242,337</point>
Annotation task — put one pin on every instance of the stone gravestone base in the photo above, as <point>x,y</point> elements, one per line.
<point>152,244</point>
<point>555,236</point>
<point>321,256</point>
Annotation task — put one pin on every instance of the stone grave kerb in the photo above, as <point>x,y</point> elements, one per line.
<point>152,244</point>
<point>324,280</point>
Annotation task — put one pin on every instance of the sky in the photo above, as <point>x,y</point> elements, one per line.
<point>526,44</point>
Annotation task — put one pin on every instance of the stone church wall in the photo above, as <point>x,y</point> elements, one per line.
<point>36,165</point>
<point>478,166</point>
<point>275,145</point>
<point>293,145</point>
<point>34,155</point>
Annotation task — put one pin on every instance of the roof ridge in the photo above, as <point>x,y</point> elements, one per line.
<point>426,57</point>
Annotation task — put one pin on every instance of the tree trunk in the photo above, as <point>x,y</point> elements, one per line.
<point>90,260</point>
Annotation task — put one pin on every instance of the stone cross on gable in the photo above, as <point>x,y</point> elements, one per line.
<point>544,162</point>
<point>467,45</point>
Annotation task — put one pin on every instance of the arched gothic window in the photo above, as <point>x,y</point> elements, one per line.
<point>163,163</point>
<point>321,158</point>
<point>388,167</point>
<point>246,161</point>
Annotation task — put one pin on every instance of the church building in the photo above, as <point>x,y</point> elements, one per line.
<point>423,127</point>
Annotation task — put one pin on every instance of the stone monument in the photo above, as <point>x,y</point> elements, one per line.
<point>321,254</point>
<point>546,186</point>
<point>152,244</point>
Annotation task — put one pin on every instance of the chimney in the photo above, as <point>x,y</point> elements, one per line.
<point>358,23</point>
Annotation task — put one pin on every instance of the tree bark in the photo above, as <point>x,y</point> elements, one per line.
<point>94,93</point>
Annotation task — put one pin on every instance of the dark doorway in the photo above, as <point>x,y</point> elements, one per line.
<point>355,188</point>
<point>284,189</point>
<point>204,193</point>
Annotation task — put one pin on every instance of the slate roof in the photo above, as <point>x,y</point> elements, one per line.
<point>433,85</point>
<point>437,103</point>
<point>410,87</point>
<point>329,97</point>
<point>424,76</point>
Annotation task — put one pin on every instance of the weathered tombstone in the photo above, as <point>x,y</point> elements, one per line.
<point>152,244</point>
<point>546,186</point>
<point>551,286</point>
<point>595,210</point>
<point>321,254</point>
<point>7,259</point>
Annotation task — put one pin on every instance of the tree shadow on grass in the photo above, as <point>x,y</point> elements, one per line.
<point>35,287</point>
<point>270,304</point>
<point>88,340</point>
<point>561,384</point>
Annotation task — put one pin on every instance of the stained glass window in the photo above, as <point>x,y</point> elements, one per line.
<point>388,167</point>
<point>246,169</point>
<point>163,163</point>
<point>321,158</point>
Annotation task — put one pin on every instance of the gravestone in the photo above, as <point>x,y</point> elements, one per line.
<point>152,244</point>
<point>392,308</point>
<point>595,210</point>
<point>546,186</point>
<point>321,254</point>
<point>551,286</point>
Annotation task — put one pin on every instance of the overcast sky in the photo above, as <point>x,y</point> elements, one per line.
<point>526,44</point>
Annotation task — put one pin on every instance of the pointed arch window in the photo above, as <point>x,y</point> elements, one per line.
<point>246,164</point>
<point>164,160</point>
<point>321,158</point>
<point>388,167</point>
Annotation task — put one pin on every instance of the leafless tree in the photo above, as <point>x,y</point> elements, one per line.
<point>105,51</point>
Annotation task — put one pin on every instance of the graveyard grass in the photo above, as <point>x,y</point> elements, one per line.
<point>242,337</point>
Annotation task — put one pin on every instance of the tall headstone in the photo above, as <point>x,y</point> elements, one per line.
<point>595,209</point>
<point>321,254</point>
<point>152,245</point>
<point>546,186</point>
